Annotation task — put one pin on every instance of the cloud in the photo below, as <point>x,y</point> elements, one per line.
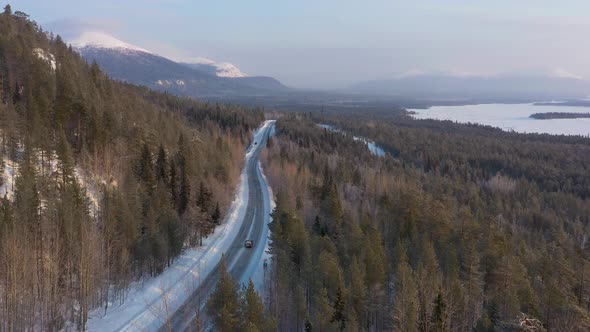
<point>560,72</point>
<point>72,27</point>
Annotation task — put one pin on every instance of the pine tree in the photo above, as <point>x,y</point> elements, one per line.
<point>66,162</point>
<point>145,170</point>
<point>439,315</point>
<point>339,315</point>
<point>253,308</point>
<point>173,184</point>
<point>322,311</point>
<point>358,289</point>
<point>216,216</point>
<point>162,165</point>
<point>203,198</point>
<point>185,191</point>
<point>223,305</point>
<point>405,310</point>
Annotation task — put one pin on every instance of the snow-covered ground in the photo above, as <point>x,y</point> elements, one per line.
<point>149,303</point>
<point>511,117</point>
<point>371,145</point>
<point>10,173</point>
<point>45,56</point>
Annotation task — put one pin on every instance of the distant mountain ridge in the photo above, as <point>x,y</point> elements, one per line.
<point>201,78</point>
<point>449,87</point>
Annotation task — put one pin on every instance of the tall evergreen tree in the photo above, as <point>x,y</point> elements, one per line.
<point>253,313</point>
<point>339,315</point>
<point>185,191</point>
<point>145,170</point>
<point>162,165</point>
<point>223,305</point>
<point>439,315</point>
<point>216,216</point>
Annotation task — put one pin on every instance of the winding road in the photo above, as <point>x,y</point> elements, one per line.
<point>241,261</point>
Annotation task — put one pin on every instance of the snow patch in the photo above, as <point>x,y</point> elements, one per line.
<point>10,172</point>
<point>103,40</point>
<point>168,83</point>
<point>91,186</point>
<point>45,56</point>
<point>223,69</point>
<point>197,61</point>
<point>8,179</point>
<point>226,69</point>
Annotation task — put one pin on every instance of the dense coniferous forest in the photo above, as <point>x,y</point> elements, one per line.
<point>459,228</point>
<point>557,115</point>
<point>104,183</point>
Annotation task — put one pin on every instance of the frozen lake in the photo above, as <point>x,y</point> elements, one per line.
<point>511,117</point>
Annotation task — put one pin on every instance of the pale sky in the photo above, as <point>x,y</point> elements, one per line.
<point>333,43</point>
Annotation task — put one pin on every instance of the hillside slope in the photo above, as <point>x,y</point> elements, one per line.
<point>112,181</point>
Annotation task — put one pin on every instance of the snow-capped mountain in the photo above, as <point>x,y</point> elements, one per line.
<point>220,69</point>
<point>94,39</point>
<point>197,77</point>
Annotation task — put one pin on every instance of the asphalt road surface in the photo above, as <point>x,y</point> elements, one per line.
<point>238,257</point>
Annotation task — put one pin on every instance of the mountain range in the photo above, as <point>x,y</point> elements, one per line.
<point>456,88</point>
<point>199,77</point>
<point>205,78</point>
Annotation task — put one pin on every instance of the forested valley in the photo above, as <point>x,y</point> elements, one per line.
<point>458,228</point>
<point>104,183</point>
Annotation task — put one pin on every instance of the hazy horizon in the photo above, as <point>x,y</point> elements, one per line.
<point>337,43</point>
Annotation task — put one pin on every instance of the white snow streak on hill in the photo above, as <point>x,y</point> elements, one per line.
<point>45,56</point>
<point>223,69</point>
<point>95,39</point>
<point>102,40</point>
<point>145,307</point>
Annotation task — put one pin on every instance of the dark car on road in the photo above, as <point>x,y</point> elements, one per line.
<point>249,244</point>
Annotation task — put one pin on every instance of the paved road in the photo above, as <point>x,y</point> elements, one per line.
<point>238,257</point>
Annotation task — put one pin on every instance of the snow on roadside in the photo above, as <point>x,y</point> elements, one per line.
<point>259,271</point>
<point>256,265</point>
<point>149,303</point>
